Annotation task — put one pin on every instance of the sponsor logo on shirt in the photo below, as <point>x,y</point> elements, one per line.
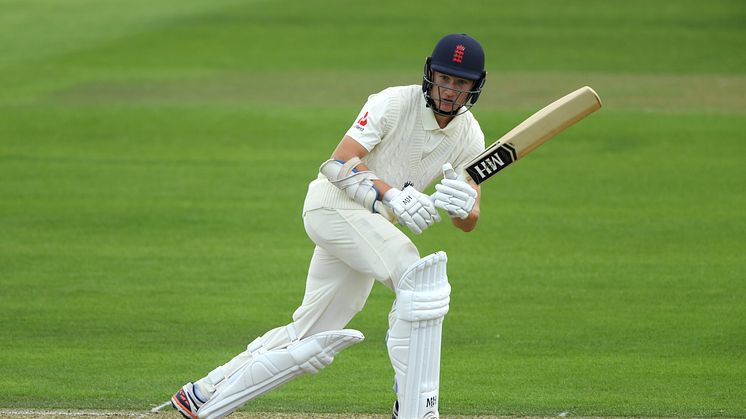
<point>362,122</point>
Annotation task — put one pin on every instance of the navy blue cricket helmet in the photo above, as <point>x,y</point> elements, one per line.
<point>457,55</point>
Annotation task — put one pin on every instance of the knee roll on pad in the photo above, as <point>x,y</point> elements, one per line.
<point>423,292</point>
<point>415,306</point>
<point>422,300</point>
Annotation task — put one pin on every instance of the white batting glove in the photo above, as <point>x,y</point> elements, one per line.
<point>412,208</point>
<point>454,194</point>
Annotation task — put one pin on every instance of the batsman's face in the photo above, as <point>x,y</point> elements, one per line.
<point>450,92</point>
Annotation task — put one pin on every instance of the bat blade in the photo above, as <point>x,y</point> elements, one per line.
<point>533,132</point>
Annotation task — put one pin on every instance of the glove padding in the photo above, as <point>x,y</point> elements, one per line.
<point>412,208</point>
<point>455,196</point>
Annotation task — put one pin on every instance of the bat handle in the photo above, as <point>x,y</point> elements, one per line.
<point>448,172</point>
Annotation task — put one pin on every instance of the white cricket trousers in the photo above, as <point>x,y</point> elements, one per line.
<point>353,249</point>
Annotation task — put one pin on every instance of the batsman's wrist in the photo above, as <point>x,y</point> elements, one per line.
<point>390,194</point>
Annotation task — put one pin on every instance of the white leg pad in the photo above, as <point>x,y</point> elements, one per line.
<point>422,299</point>
<point>267,370</point>
<point>281,337</point>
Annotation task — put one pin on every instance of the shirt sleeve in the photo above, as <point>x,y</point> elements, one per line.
<point>372,122</point>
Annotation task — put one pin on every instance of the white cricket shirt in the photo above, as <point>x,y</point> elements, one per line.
<point>406,146</point>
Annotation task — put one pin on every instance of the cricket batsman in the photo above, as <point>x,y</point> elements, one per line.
<point>396,147</point>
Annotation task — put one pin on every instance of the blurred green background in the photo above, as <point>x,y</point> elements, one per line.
<point>154,158</point>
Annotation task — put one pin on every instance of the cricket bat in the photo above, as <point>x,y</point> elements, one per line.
<point>533,132</point>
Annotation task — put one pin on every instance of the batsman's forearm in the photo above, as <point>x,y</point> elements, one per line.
<point>349,148</point>
<point>381,186</point>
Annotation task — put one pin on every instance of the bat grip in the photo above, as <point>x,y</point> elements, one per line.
<point>448,172</point>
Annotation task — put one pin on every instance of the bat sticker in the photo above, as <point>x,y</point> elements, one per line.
<point>492,163</point>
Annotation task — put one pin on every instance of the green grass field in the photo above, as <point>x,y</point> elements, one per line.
<point>140,143</point>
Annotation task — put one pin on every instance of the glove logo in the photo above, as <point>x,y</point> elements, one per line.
<point>408,183</point>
